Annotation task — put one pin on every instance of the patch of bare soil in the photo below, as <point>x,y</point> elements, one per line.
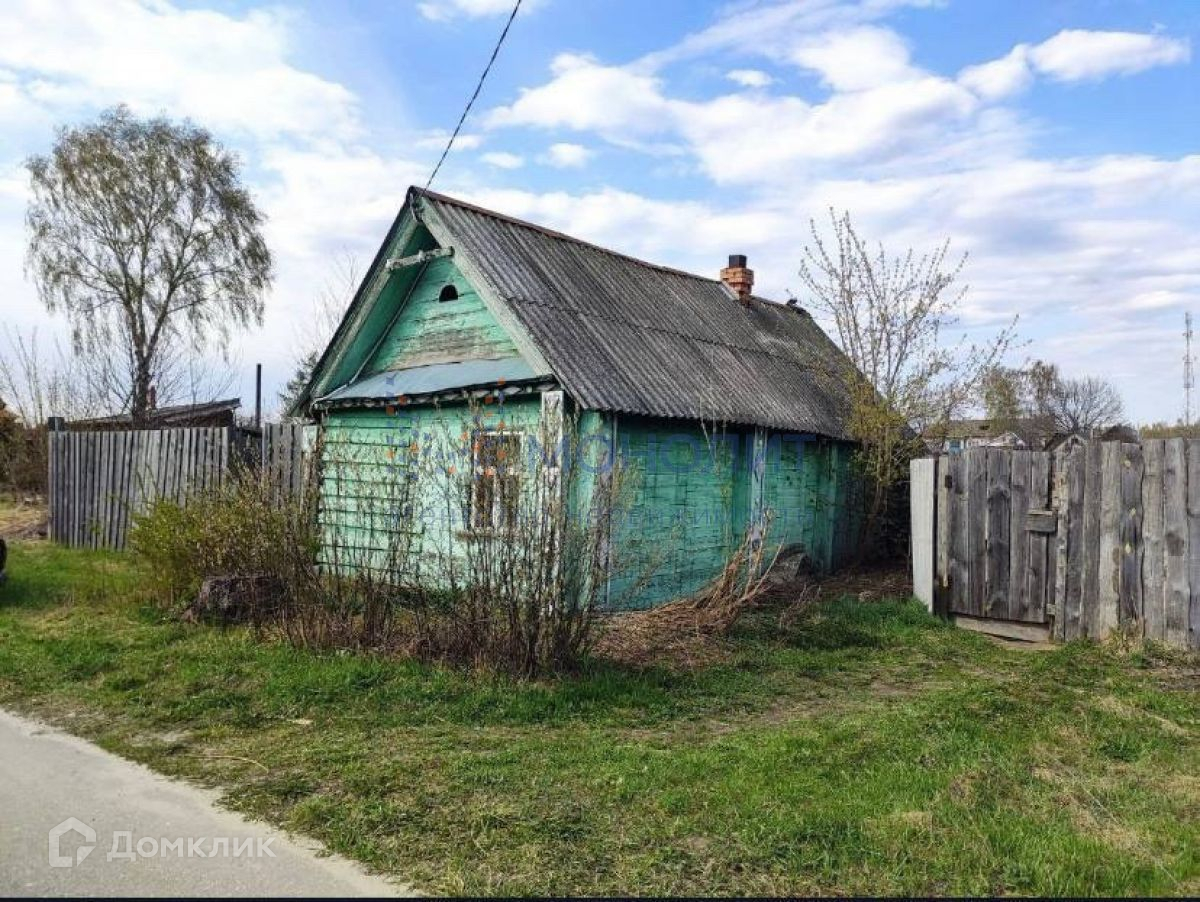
<point>24,519</point>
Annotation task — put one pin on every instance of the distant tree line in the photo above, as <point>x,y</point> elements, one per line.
<point>1040,398</point>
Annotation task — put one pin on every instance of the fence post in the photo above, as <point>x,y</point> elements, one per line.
<point>923,489</point>
<point>54,425</point>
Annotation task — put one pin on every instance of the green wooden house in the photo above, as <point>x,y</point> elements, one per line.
<point>464,307</point>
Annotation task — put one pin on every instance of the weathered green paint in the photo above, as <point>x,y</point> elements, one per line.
<point>807,487</point>
<point>696,492</point>
<point>428,331</point>
<point>373,308</point>
<point>398,471</point>
<point>679,525</point>
<point>691,492</point>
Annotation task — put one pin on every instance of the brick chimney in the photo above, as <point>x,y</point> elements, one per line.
<point>739,279</point>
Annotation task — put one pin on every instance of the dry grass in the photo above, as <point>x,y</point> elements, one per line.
<point>691,632</point>
<point>23,519</point>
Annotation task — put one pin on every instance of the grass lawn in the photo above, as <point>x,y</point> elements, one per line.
<point>869,750</point>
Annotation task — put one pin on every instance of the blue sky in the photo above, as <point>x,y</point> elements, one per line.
<point>1056,142</point>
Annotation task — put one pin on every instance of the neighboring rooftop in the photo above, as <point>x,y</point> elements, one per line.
<point>209,413</point>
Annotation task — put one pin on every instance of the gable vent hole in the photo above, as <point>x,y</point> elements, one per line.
<point>449,293</point>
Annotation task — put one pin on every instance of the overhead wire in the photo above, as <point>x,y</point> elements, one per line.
<point>474,95</point>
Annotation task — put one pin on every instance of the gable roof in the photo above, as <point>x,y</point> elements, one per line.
<point>624,335</point>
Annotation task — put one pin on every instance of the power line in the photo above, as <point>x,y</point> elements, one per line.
<point>475,94</point>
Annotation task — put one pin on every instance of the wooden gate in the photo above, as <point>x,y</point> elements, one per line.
<point>997,534</point>
<point>1096,537</point>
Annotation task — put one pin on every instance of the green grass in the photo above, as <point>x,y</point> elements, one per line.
<point>869,750</point>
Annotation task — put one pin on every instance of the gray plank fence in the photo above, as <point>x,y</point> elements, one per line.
<point>100,481</point>
<point>1079,543</point>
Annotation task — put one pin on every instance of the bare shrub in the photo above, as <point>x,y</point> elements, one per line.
<point>238,528</point>
<point>906,376</point>
<point>401,558</point>
<point>682,631</point>
<point>526,548</point>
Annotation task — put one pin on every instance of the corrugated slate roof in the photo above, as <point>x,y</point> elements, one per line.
<point>629,336</point>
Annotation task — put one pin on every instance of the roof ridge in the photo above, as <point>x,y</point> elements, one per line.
<point>563,236</point>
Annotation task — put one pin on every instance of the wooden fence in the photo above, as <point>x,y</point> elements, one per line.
<point>1093,538</point>
<point>99,481</point>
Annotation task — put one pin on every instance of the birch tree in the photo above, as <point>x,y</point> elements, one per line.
<point>142,234</point>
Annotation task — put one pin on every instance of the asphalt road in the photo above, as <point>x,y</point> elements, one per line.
<point>178,843</point>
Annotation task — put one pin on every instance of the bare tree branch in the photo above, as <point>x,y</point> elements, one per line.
<point>890,315</point>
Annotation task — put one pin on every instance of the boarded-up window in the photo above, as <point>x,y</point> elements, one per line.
<point>497,480</point>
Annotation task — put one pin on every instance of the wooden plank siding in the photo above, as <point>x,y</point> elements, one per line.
<point>1193,518</point>
<point>1129,537</point>
<point>692,492</point>
<point>959,597</point>
<point>428,331</point>
<point>1154,553</point>
<point>1092,539</point>
<point>1070,602</point>
<point>977,516</point>
<point>1177,536</point>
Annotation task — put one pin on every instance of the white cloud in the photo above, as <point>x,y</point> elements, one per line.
<point>229,72</point>
<point>1075,55</point>
<point>444,10</point>
<point>567,156</point>
<point>503,159</point>
<point>1097,247</point>
<point>437,141</point>
<point>1096,255</point>
<point>743,137</point>
<point>587,95</point>
<point>772,30</point>
<point>298,132</point>
<point>857,59</point>
<point>1000,78</point>
<point>749,78</point>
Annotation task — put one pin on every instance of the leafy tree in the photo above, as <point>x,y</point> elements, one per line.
<point>1168,430</point>
<point>1003,389</point>
<point>141,233</point>
<point>906,376</point>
